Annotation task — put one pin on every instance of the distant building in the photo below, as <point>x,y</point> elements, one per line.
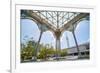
<point>84,50</point>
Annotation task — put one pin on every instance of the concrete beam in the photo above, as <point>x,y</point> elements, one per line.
<point>69,25</point>
<point>40,20</point>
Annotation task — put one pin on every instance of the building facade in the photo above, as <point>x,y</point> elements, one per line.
<point>84,51</point>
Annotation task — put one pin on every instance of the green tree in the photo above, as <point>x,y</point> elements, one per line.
<point>64,52</point>
<point>27,51</point>
<point>42,54</point>
<point>45,53</point>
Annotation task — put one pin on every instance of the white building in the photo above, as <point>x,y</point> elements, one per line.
<point>83,50</point>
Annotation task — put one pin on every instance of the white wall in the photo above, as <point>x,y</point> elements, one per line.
<point>5,35</point>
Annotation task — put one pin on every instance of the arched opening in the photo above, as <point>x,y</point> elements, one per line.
<point>29,38</point>
<point>82,32</point>
<point>67,40</point>
<point>48,39</point>
<point>29,30</point>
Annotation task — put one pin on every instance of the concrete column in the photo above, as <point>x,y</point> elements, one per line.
<point>57,35</point>
<point>76,42</point>
<point>58,47</point>
<point>37,46</point>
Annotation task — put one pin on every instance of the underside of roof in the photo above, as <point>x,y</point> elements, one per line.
<point>54,20</point>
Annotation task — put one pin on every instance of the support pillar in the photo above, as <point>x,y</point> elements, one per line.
<point>58,47</point>
<point>76,43</point>
<point>42,29</point>
<point>37,46</point>
<point>57,34</point>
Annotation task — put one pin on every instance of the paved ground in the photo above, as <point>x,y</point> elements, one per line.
<point>68,58</point>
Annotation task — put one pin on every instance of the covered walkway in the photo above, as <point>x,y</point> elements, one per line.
<point>57,22</point>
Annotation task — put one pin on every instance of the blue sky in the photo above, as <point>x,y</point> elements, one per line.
<point>29,30</point>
